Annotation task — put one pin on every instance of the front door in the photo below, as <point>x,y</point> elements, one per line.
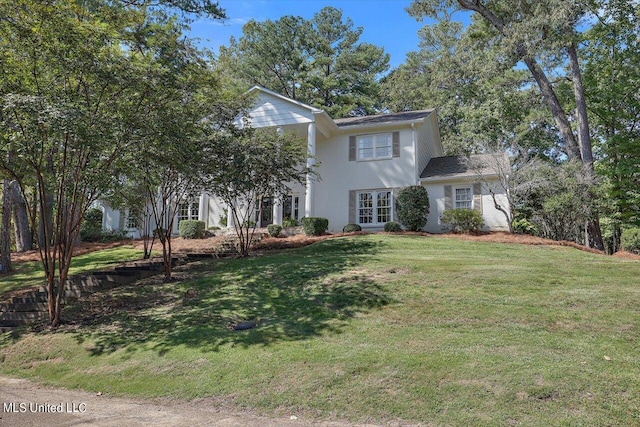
<point>266,211</point>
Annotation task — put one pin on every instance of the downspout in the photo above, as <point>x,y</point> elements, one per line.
<point>415,154</point>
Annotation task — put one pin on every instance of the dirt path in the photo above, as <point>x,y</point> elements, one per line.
<point>27,404</point>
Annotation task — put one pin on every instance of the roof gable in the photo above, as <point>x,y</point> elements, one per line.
<point>383,119</point>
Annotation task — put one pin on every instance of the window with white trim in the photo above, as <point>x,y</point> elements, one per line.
<point>463,198</point>
<point>291,207</point>
<point>376,146</point>
<point>188,209</point>
<point>134,218</point>
<point>374,207</point>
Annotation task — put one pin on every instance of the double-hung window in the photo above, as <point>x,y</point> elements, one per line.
<point>374,207</point>
<point>291,207</point>
<point>464,198</point>
<point>188,209</point>
<point>376,146</point>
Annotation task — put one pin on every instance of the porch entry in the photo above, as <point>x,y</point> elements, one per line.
<point>265,214</point>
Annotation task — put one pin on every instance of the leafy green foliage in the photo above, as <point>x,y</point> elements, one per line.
<point>191,229</point>
<point>412,207</point>
<point>314,226</point>
<point>290,222</point>
<point>392,227</point>
<point>91,228</point>
<point>462,220</point>
<point>319,62</point>
<point>350,228</point>
<point>274,230</point>
<point>631,240</point>
<point>524,226</point>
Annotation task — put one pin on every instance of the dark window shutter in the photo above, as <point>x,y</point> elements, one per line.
<point>477,197</point>
<point>352,148</point>
<point>448,199</point>
<point>396,144</point>
<point>352,206</point>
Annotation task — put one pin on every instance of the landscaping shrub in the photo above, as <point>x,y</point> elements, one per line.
<point>315,226</point>
<point>290,222</point>
<point>274,230</point>
<point>223,220</point>
<point>462,220</point>
<point>392,227</point>
<point>350,228</point>
<point>631,240</point>
<point>108,236</point>
<point>524,226</point>
<point>213,228</point>
<point>91,228</point>
<point>191,229</point>
<point>412,206</point>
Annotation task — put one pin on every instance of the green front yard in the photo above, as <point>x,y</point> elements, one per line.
<point>29,274</point>
<point>368,328</point>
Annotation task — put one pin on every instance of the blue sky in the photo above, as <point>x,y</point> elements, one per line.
<point>385,22</point>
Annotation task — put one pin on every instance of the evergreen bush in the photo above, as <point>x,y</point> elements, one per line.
<point>350,228</point>
<point>91,228</point>
<point>412,207</point>
<point>630,240</point>
<point>462,220</point>
<point>191,229</point>
<point>315,226</point>
<point>274,230</point>
<point>392,227</point>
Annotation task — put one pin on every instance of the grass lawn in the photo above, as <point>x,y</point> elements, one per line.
<point>29,274</point>
<point>369,328</point>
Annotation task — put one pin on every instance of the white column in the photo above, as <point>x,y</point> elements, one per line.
<point>202,209</point>
<point>230,219</point>
<point>311,148</point>
<point>277,212</point>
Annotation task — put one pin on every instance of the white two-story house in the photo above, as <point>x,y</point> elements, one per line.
<point>362,162</point>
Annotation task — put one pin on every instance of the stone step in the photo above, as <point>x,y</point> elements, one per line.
<point>34,297</point>
<point>23,316</point>
<point>35,306</point>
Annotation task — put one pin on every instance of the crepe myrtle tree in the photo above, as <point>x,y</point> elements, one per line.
<point>249,165</point>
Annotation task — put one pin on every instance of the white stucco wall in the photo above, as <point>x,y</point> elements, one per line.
<point>338,175</point>
<point>494,220</point>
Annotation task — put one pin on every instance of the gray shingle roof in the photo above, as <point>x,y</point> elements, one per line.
<point>383,118</point>
<point>465,167</point>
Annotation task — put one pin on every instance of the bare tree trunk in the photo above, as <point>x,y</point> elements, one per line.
<point>5,234</point>
<point>21,228</point>
<point>584,137</point>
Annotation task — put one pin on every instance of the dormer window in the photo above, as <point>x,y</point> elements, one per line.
<point>377,146</point>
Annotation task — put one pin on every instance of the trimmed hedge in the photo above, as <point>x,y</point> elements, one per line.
<point>350,228</point>
<point>315,226</point>
<point>630,240</point>
<point>462,220</point>
<point>392,227</point>
<point>274,230</point>
<point>191,229</point>
<point>290,222</point>
<point>412,204</point>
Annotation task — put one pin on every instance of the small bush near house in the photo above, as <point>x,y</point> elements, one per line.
<point>462,220</point>
<point>213,228</point>
<point>290,222</point>
<point>108,236</point>
<point>191,229</point>
<point>350,228</point>
<point>274,230</point>
<point>392,227</point>
<point>524,226</point>
<point>91,228</point>
<point>315,226</point>
<point>412,205</point>
<point>223,220</point>
<point>631,240</point>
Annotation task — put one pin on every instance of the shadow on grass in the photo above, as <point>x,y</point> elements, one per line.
<point>291,295</point>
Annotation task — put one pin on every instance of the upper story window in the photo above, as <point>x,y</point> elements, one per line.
<point>464,198</point>
<point>376,146</point>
